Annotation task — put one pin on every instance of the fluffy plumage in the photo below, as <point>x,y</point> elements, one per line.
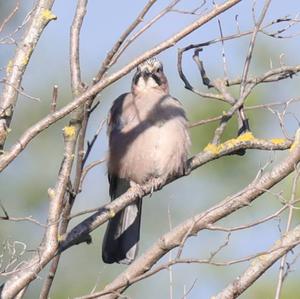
<point>148,138</point>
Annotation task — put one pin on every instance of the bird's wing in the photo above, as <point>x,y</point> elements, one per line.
<point>122,234</point>
<point>115,122</point>
<point>116,118</point>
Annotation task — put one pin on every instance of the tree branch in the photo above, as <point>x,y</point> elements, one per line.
<point>33,131</point>
<point>49,244</point>
<point>80,232</point>
<point>75,124</point>
<point>199,222</point>
<point>112,53</point>
<point>17,65</point>
<point>261,264</point>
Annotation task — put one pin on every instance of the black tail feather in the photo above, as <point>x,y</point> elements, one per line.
<point>122,235</point>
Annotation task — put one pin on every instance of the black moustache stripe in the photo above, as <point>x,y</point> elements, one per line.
<point>136,78</point>
<point>156,79</point>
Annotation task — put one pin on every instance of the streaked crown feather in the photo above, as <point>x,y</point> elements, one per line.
<point>150,65</point>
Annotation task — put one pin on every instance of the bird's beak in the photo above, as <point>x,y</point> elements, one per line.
<point>146,74</point>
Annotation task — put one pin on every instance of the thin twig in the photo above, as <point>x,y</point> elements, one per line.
<point>260,265</point>
<point>87,169</point>
<point>75,126</point>
<point>17,65</point>
<point>106,63</point>
<point>54,98</point>
<point>44,123</point>
<point>130,40</point>
<point>10,16</point>
<point>251,47</point>
<point>288,227</point>
<point>21,91</point>
<point>91,143</point>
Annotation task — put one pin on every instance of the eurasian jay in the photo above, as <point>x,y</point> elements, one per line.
<point>148,138</point>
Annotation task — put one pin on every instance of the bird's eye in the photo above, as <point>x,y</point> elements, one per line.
<point>159,69</point>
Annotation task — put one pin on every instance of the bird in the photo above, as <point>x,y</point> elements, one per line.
<point>148,139</point>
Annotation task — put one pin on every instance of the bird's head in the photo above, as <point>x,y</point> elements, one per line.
<point>150,74</point>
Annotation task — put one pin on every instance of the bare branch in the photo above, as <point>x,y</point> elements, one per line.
<point>245,226</point>
<point>54,98</point>
<point>33,131</point>
<point>288,226</point>
<point>17,65</point>
<point>261,106</point>
<point>199,222</point>
<point>77,129</point>
<point>251,47</point>
<point>130,40</point>
<point>260,265</point>
<point>21,91</point>
<point>21,270</point>
<point>211,152</point>
<point>74,47</point>
<point>10,16</point>
<point>87,169</point>
<point>50,242</point>
<point>118,44</point>
<point>187,84</point>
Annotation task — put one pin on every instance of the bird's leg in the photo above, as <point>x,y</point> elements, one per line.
<point>243,127</point>
<point>155,184</point>
<point>243,122</point>
<point>134,185</point>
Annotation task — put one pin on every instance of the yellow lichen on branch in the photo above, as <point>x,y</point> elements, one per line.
<point>212,148</point>
<point>69,131</point>
<point>112,214</point>
<point>48,15</point>
<point>248,136</point>
<point>234,141</point>
<point>9,67</point>
<point>60,237</point>
<point>51,193</point>
<point>278,141</point>
<point>26,59</point>
<point>216,149</point>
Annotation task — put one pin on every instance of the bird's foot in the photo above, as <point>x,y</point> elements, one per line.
<point>134,185</point>
<point>155,185</point>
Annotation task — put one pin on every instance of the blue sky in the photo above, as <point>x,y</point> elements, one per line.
<point>104,22</point>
